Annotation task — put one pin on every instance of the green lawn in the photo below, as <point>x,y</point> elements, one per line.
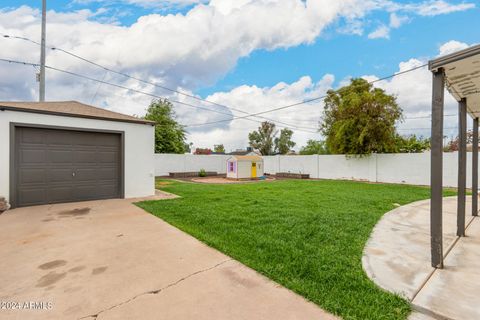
<point>306,235</point>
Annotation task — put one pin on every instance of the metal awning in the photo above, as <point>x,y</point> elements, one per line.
<point>462,76</point>
<point>459,72</point>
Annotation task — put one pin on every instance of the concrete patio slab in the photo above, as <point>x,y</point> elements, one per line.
<point>453,291</point>
<point>228,291</point>
<point>113,260</point>
<point>397,258</point>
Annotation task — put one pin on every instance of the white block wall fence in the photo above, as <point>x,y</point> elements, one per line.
<point>166,163</point>
<point>408,168</point>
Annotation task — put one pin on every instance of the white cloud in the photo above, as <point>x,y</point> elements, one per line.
<point>452,46</point>
<point>182,51</point>
<point>396,21</point>
<point>164,4</point>
<point>381,32</point>
<point>399,11</point>
<point>252,99</point>
<point>413,91</point>
<point>414,94</point>
<point>438,7</point>
<point>425,8</point>
<point>189,50</point>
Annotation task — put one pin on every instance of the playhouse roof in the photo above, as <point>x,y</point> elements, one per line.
<point>247,158</point>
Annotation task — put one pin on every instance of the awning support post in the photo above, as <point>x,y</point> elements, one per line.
<point>475,168</point>
<point>436,169</point>
<point>462,166</point>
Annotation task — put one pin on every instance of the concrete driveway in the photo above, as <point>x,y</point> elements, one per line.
<point>111,260</point>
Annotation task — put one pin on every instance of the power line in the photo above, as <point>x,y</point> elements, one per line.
<point>448,128</point>
<point>428,117</point>
<point>131,89</point>
<point>146,81</point>
<point>246,116</point>
<point>306,101</point>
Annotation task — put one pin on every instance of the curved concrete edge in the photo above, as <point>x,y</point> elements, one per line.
<point>397,255</point>
<point>378,251</point>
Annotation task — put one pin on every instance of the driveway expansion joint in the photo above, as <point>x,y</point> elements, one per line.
<point>95,316</point>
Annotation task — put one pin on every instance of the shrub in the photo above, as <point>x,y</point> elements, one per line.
<point>202,173</point>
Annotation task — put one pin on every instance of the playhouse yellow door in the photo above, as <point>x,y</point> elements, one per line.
<point>254,169</point>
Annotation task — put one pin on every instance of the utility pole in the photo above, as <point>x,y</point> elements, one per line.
<point>42,53</point>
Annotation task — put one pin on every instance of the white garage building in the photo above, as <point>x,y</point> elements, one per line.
<point>53,152</point>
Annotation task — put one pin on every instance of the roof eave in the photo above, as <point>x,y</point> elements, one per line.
<point>66,114</point>
<point>440,62</point>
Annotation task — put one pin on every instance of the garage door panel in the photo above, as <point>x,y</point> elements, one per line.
<point>32,156</point>
<point>84,138</point>
<point>107,190</point>
<point>86,175</point>
<point>107,141</point>
<point>33,175</point>
<point>57,175</point>
<point>108,157</point>
<point>108,173</point>
<point>53,138</point>
<point>32,196</point>
<point>53,166</point>
<point>87,192</point>
<point>60,156</point>
<point>85,156</point>
<point>58,194</point>
<point>31,136</point>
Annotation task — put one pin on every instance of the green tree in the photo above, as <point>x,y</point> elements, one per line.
<point>188,147</point>
<point>411,144</point>
<point>314,147</point>
<point>169,134</point>
<point>263,139</point>
<point>219,148</point>
<point>360,119</point>
<point>284,143</point>
<point>454,143</point>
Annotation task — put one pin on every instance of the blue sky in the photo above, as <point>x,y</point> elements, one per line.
<point>345,55</point>
<point>334,53</point>
<point>248,54</point>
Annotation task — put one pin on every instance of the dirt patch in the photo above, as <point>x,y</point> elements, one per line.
<point>163,183</point>
<point>52,264</point>
<point>74,212</point>
<point>217,180</point>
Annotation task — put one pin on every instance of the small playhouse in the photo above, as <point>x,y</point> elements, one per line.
<point>245,167</point>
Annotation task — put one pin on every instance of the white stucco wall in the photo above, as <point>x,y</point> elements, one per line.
<point>409,168</point>
<point>139,148</point>
<point>166,163</point>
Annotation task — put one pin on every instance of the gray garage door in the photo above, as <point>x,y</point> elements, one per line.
<point>53,166</point>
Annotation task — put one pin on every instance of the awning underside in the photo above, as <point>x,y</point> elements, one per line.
<point>462,76</point>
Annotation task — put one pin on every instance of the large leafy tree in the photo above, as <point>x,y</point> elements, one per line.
<point>284,143</point>
<point>169,134</point>
<point>263,139</point>
<point>314,147</point>
<point>360,119</point>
